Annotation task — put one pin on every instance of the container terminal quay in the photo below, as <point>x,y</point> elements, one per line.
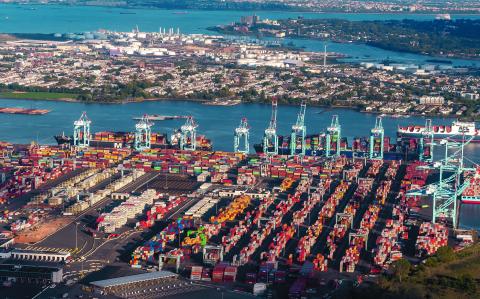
<point>135,215</point>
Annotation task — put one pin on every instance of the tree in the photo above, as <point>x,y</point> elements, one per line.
<point>411,291</point>
<point>468,283</point>
<point>445,254</point>
<point>401,269</point>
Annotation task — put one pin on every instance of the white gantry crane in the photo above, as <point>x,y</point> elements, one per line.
<point>188,137</point>
<point>242,132</point>
<point>334,134</point>
<point>375,134</point>
<point>81,131</point>
<point>299,131</point>
<point>270,137</point>
<point>143,134</point>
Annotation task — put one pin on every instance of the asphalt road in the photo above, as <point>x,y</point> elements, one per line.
<point>95,253</point>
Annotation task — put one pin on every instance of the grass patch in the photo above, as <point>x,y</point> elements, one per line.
<point>447,275</point>
<point>39,95</point>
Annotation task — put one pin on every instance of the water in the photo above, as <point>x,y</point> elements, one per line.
<point>362,52</point>
<point>64,19</point>
<point>60,18</point>
<point>215,122</point>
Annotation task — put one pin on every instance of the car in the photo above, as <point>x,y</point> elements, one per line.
<point>375,270</point>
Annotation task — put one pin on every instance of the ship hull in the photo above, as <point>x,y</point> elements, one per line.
<point>347,153</point>
<point>438,136</point>
<point>126,143</point>
<point>471,201</point>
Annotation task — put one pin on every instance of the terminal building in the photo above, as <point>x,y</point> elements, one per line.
<point>24,271</point>
<point>147,285</point>
<point>39,256</point>
<point>30,266</point>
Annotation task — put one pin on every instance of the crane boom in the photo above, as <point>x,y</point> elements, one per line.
<point>270,137</point>
<point>299,132</point>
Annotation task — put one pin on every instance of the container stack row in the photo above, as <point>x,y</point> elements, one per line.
<point>158,242</point>
<point>388,248</point>
<point>265,229</point>
<point>326,212</point>
<point>118,217</point>
<point>237,206</point>
<point>243,226</point>
<point>112,187</point>
<point>184,162</point>
<point>159,209</point>
<point>201,207</point>
<point>431,236</point>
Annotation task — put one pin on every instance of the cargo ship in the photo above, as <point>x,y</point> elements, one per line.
<point>315,146</point>
<point>156,117</point>
<point>126,140</point>
<point>456,132</point>
<point>471,195</point>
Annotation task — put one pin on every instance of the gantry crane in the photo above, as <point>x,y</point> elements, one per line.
<point>270,137</point>
<point>451,183</point>
<point>299,131</point>
<point>241,132</point>
<point>334,133</point>
<point>143,134</point>
<point>81,131</point>
<point>188,133</point>
<point>375,133</point>
<point>427,139</point>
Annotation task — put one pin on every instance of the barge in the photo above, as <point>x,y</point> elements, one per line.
<point>14,110</point>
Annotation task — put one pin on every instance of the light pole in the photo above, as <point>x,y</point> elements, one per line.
<point>76,235</point>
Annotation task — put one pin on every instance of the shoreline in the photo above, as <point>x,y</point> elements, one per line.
<point>117,102</point>
<point>406,51</point>
<point>293,10</point>
<point>199,101</point>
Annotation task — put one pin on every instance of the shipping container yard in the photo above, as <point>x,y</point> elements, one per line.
<point>301,217</point>
<point>287,225</point>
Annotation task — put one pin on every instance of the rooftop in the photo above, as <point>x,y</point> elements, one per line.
<point>6,263</point>
<point>6,241</point>
<point>133,279</point>
<point>26,251</point>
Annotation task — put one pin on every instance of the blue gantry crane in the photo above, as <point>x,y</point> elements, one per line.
<point>299,131</point>
<point>188,135</point>
<point>377,133</point>
<point>143,134</point>
<point>270,137</point>
<point>334,133</point>
<point>242,132</point>
<point>81,131</point>
<point>451,182</point>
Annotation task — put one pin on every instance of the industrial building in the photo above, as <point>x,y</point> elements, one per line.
<point>23,271</point>
<point>40,256</point>
<point>154,284</point>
